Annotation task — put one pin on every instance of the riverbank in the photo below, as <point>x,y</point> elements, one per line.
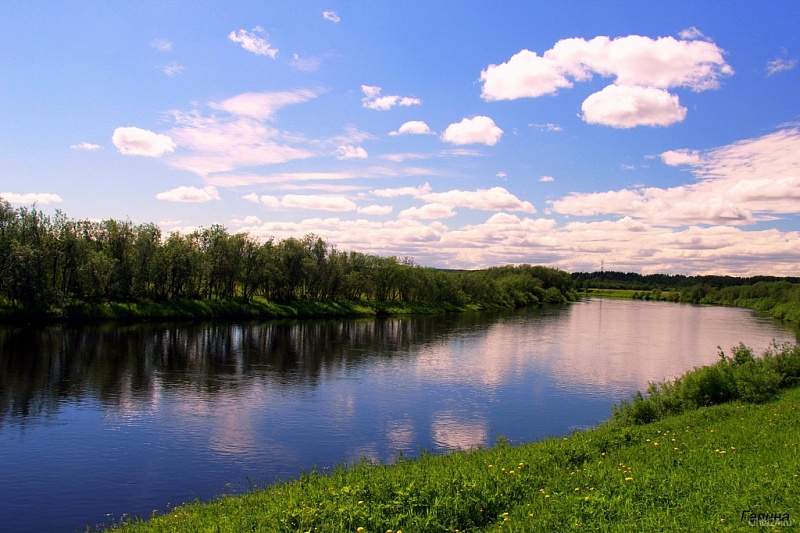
<point>780,300</point>
<point>255,309</point>
<point>719,467</point>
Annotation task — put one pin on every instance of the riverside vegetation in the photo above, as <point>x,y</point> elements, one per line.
<point>714,450</point>
<point>777,297</point>
<point>58,268</point>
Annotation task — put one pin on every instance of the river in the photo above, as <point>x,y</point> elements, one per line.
<point>97,423</point>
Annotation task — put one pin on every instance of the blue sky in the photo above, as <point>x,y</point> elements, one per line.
<point>654,137</point>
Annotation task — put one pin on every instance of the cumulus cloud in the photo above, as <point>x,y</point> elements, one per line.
<point>189,194</point>
<point>738,184</point>
<point>492,199</point>
<point>252,42</point>
<point>249,220</point>
<point>428,212</point>
<point>692,33</point>
<point>85,146</point>
<point>546,178</point>
<point>31,198</point>
<point>476,130</point>
<point>403,191</point>
<point>376,209</point>
<point>505,238</point>
<point>412,127</point>
<point>331,15</point>
<point>304,201</point>
<point>643,69</point>
<point>351,152</point>
<point>621,106</point>
<point>373,99</point>
<point>136,141</point>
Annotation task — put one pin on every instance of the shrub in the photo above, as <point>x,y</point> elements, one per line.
<point>707,385</point>
<point>756,382</point>
<point>740,376</point>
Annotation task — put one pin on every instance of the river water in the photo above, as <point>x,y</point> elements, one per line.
<point>101,422</point>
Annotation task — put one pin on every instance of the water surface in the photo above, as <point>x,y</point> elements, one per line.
<point>97,422</point>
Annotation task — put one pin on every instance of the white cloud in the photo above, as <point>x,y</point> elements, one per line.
<point>251,42</point>
<point>780,65</point>
<point>331,15</point>
<point>173,69</point>
<point>622,106</point>
<point>264,104</point>
<point>376,209</point>
<point>85,146</point>
<point>675,158</point>
<point>737,184</point>
<point>162,45</point>
<point>645,67</point>
<point>351,152</point>
<point>216,144</point>
<point>428,211</point>
<point>492,199</point>
<point>403,191</point>
<point>692,33</point>
<point>525,75</point>
<point>189,194</point>
<point>249,220</point>
<point>305,64</point>
<point>304,201</point>
<point>477,130</point>
<point>31,198</point>
<point>547,127</point>
<point>505,238</point>
<point>546,178</point>
<point>136,141</point>
<point>373,99</point>
<point>412,127</point>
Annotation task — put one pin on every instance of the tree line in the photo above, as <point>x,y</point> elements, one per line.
<point>48,262</point>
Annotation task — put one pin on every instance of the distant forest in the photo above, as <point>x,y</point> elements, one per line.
<point>777,296</point>
<point>48,263</point>
<point>634,281</point>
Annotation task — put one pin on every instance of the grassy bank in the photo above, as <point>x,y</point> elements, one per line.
<point>631,294</point>
<point>708,468</point>
<point>256,308</point>
<point>778,299</point>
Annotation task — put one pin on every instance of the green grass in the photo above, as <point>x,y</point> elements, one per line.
<point>631,294</point>
<point>695,471</point>
<point>256,308</point>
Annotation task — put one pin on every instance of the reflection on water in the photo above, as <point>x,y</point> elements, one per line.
<point>111,420</point>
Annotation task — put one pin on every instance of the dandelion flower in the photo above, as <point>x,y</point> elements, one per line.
<point>628,479</point>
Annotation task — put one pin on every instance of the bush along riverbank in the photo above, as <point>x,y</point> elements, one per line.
<point>716,450</point>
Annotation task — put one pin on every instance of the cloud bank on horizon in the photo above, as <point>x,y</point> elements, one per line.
<point>665,150</point>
